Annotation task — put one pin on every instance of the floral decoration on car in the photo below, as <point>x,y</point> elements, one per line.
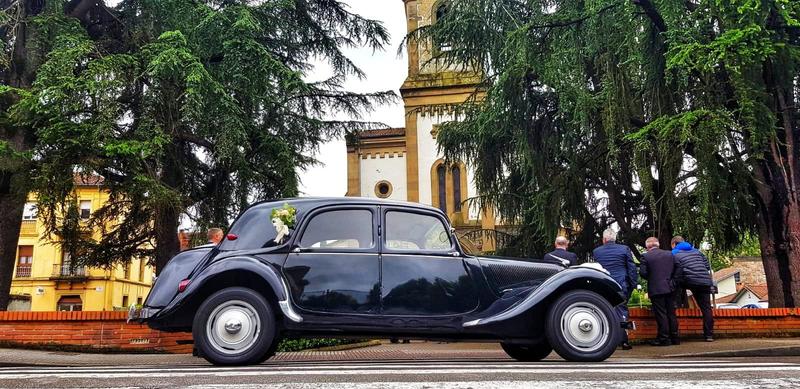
<point>283,219</point>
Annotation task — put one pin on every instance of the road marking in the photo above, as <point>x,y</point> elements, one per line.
<point>403,366</point>
<point>655,384</point>
<point>263,371</point>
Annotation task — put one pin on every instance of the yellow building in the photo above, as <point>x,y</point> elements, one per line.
<point>46,276</point>
<point>404,163</point>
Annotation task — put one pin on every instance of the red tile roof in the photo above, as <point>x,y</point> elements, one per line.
<point>725,299</point>
<point>88,179</point>
<point>761,291</point>
<point>722,274</point>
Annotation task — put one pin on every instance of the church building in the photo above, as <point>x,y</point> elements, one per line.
<point>404,164</point>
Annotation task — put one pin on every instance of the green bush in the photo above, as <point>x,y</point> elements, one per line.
<point>305,344</point>
<point>638,298</point>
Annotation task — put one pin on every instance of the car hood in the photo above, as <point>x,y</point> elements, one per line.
<point>509,274</point>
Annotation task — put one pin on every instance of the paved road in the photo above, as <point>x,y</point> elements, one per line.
<point>486,374</point>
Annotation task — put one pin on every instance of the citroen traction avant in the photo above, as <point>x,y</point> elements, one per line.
<point>352,267</point>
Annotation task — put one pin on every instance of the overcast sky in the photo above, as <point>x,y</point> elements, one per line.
<point>385,71</point>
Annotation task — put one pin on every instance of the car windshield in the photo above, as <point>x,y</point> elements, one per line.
<point>253,229</point>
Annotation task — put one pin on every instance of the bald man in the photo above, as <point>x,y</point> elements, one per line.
<point>561,254</point>
<point>214,236</point>
<point>658,267</point>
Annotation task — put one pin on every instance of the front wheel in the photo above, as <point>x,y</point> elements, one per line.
<point>528,352</point>
<point>235,326</point>
<point>582,327</point>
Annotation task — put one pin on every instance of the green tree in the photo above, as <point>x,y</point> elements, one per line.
<point>184,107</point>
<point>662,117</point>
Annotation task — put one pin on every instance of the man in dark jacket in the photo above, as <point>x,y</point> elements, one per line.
<point>618,261</point>
<point>561,254</point>
<point>657,267</point>
<point>694,273</point>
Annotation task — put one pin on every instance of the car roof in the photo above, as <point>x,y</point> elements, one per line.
<point>308,203</point>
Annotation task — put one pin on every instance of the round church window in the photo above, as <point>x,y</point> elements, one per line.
<point>383,189</point>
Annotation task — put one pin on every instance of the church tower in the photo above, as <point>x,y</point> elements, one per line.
<point>405,164</point>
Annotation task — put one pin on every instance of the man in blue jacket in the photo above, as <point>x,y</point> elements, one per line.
<point>693,272</point>
<point>618,260</point>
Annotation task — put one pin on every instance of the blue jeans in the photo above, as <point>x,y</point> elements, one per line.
<point>622,315</point>
<point>622,312</point>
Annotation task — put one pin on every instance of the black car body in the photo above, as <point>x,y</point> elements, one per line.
<point>369,268</point>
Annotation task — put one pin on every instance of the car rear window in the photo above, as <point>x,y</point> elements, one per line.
<point>254,230</point>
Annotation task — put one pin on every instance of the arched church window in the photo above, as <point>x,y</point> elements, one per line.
<point>440,13</point>
<point>456,173</point>
<point>441,177</point>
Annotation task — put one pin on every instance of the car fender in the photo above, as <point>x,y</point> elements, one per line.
<point>573,278</point>
<point>267,273</point>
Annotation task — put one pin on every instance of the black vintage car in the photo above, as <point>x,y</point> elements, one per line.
<point>353,267</point>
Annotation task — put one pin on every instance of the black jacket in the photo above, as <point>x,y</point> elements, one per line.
<point>693,269</point>
<point>561,254</point>
<point>657,267</point>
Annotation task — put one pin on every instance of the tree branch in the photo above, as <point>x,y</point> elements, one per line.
<point>653,14</point>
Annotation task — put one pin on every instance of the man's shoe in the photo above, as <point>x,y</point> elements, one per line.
<point>626,346</point>
<point>709,339</point>
<point>675,342</point>
<point>660,342</point>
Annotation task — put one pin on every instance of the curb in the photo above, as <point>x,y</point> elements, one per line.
<point>781,351</point>
<point>343,347</point>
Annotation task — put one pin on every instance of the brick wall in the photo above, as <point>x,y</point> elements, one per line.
<point>108,331</point>
<point>728,323</point>
<point>91,331</point>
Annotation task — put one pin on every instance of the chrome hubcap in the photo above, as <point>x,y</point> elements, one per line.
<point>233,327</point>
<point>585,327</point>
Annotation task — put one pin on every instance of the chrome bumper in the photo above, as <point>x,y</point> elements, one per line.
<point>141,314</point>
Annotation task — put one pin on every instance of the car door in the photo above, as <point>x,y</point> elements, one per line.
<point>423,274</point>
<point>334,266</point>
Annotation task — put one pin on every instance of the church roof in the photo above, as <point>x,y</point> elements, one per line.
<point>382,133</point>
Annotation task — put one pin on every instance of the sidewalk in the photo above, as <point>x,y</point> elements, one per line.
<point>433,351</point>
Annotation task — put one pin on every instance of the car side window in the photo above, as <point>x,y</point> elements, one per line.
<point>341,229</point>
<point>414,231</point>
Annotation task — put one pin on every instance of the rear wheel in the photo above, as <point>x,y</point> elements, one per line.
<point>582,327</point>
<point>527,352</point>
<point>235,326</point>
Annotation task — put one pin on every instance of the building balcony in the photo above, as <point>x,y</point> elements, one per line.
<point>28,228</point>
<point>23,272</point>
<point>68,272</point>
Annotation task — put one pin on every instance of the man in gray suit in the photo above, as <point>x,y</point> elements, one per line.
<point>658,267</point>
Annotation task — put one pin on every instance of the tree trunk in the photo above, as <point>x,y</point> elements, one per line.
<point>12,202</point>
<point>167,243</point>
<point>777,188</point>
<point>167,215</point>
<point>14,186</point>
<point>779,234</point>
<point>779,237</point>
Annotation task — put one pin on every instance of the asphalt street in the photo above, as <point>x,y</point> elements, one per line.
<point>484,374</point>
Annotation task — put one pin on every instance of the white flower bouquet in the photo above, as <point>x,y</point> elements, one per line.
<point>283,219</point>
